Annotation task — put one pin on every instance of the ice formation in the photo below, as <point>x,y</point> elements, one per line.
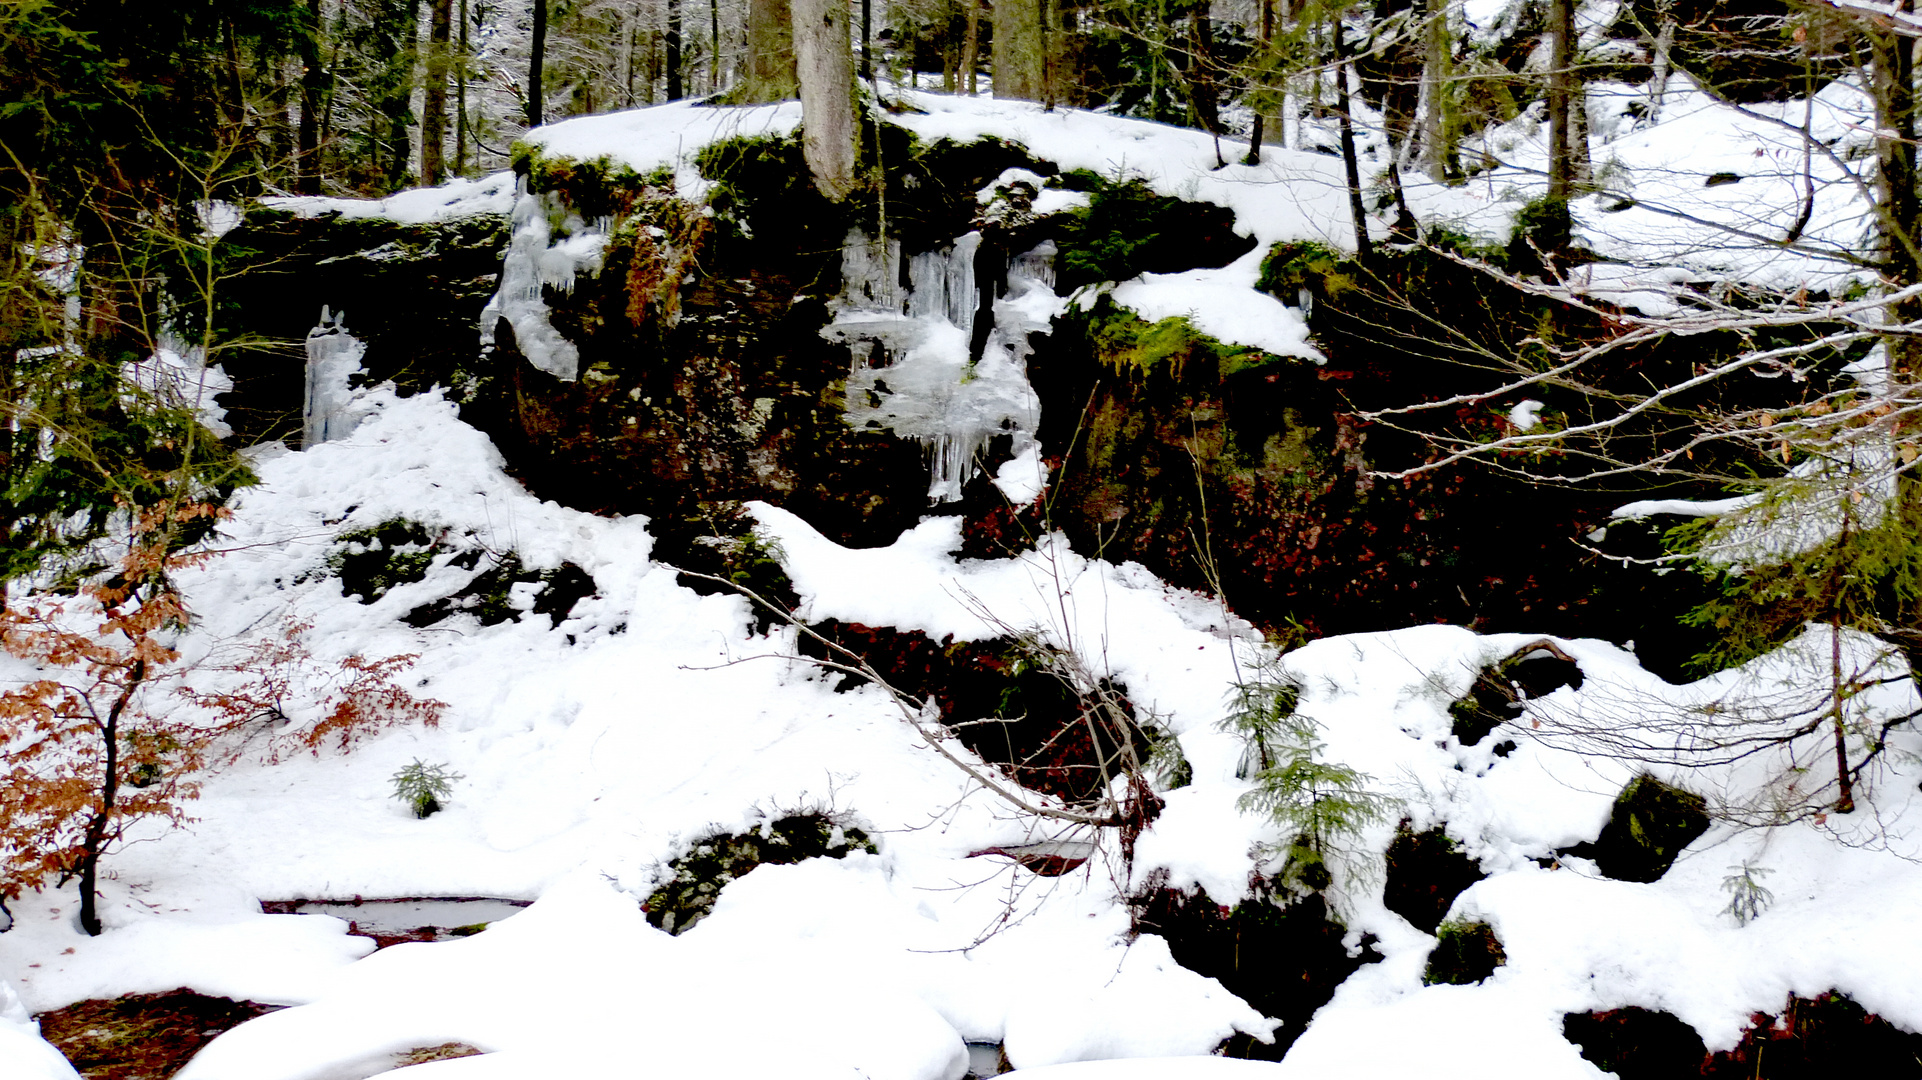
<point>913,373</point>
<point>333,358</point>
<point>550,246</point>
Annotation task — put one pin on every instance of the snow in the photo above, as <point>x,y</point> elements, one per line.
<point>589,764</point>
<point>457,198</point>
<point>24,1053</point>
<point>596,751</point>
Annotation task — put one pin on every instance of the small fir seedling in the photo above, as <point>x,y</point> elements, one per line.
<point>424,787</point>
<point>1746,896</point>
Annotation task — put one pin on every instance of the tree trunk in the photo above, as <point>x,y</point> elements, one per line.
<point>1264,35</point>
<point>824,65</point>
<point>460,95</point>
<point>971,46</point>
<point>1019,63</point>
<point>536,53</point>
<point>1201,78</point>
<point>1664,46</point>
<point>1438,156</point>
<point>1364,251</point>
<point>313,92</point>
<point>867,38</point>
<point>94,843</point>
<point>1561,63</point>
<point>770,72</point>
<point>675,91</point>
<point>714,40</point>
<point>433,121</point>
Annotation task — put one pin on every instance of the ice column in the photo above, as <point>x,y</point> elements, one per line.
<point>333,358</point>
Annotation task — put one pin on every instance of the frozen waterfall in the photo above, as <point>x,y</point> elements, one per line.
<point>549,247</point>
<point>910,334</point>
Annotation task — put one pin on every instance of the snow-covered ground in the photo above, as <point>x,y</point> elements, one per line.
<point>594,751</point>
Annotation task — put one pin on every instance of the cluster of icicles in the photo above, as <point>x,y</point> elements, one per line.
<point>911,333</point>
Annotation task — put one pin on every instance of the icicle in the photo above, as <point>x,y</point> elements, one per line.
<point>333,358</point>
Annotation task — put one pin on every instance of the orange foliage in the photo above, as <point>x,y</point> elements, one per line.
<point>112,728</point>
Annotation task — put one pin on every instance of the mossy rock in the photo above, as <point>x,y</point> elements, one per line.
<point>1426,872</point>
<point>1650,825</point>
<point>489,596</point>
<point>369,562</point>
<point>1008,702</point>
<point>1171,348</point>
<point>1127,229</point>
<point>1465,952</point>
<point>696,879</point>
<point>723,541</point>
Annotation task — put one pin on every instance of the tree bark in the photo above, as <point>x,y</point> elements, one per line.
<point>313,93</point>
<point>971,46</point>
<point>433,121</point>
<point>1561,63</point>
<point>460,95</point>
<point>1264,35</point>
<point>675,90</point>
<point>1019,62</point>
<point>770,74</point>
<point>1364,250</point>
<point>824,65</point>
<point>1437,141</point>
<point>536,53</point>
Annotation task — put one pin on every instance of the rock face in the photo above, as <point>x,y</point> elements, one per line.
<point>702,375</point>
<point>411,293</point>
<point>1826,1035</point>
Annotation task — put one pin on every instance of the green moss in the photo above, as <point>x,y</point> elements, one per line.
<point>694,881</point>
<point>596,188</point>
<point>1130,345</point>
<point>1465,952</point>
<point>753,176</point>
<point>489,596</point>
<point>1291,267</point>
<point>369,562</point>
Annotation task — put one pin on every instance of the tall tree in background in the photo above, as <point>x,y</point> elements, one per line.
<point>433,121</point>
<point>824,63</point>
<point>536,55</point>
<point>1020,56</point>
<point>769,74</point>
<point>313,97</point>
